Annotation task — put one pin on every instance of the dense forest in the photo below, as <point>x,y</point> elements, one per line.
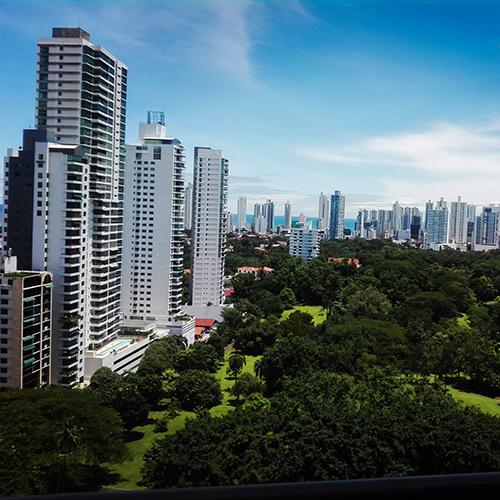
<point>362,393</point>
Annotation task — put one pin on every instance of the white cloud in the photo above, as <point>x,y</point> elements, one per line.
<point>443,160</point>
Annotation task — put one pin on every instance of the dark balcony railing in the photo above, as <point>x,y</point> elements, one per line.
<point>455,486</point>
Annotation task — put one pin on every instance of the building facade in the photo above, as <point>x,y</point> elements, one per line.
<point>209,226</point>
<point>153,245</point>
<point>305,242</point>
<point>337,214</point>
<point>56,224</point>
<point>323,212</point>
<point>25,327</point>
<point>241,221</point>
<point>268,214</point>
<point>458,222</point>
<point>288,216</point>
<point>437,225</point>
<point>188,207</point>
<point>81,98</point>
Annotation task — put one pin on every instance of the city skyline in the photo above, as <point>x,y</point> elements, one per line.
<point>361,122</point>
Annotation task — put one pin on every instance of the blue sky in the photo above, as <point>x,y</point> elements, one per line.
<point>383,100</point>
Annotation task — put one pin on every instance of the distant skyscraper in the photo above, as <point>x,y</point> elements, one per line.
<point>304,242</point>
<point>257,212</point>
<point>406,218</point>
<point>415,227</point>
<point>488,226</point>
<point>428,206</point>
<point>360,224</point>
<point>209,226</point>
<point>458,222</point>
<point>152,258</point>
<point>229,223</point>
<point>260,225</point>
<point>268,213</point>
<point>241,222</point>
<point>288,216</point>
<point>396,219</point>
<point>323,212</point>
<point>81,98</point>
<point>188,207</point>
<point>437,226</point>
<point>302,218</point>
<point>337,213</point>
<point>383,223</point>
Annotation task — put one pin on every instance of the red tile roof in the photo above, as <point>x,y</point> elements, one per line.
<point>204,322</point>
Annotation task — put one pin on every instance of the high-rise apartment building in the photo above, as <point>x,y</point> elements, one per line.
<point>360,224</point>
<point>429,205</point>
<point>323,212</point>
<point>47,222</point>
<point>153,244</point>
<point>337,214</point>
<point>288,216</point>
<point>241,218</point>
<point>25,327</point>
<point>209,226</point>
<point>188,206</point>
<point>81,97</point>
<point>305,242</point>
<point>396,219</point>
<point>458,222</point>
<point>487,231</point>
<point>437,225</point>
<point>268,213</point>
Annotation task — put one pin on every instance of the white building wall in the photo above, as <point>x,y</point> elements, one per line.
<point>61,245</point>
<point>154,216</point>
<point>209,231</point>
<point>74,75</point>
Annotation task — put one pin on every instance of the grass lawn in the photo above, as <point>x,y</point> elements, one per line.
<point>317,312</point>
<point>130,470</point>
<point>485,404</point>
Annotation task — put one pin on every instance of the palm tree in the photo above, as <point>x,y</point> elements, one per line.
<point>67,442</point>
<point>236,362</point>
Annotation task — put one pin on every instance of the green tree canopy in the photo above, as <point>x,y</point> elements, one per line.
<point>197,389</point>
<point>54,440</point>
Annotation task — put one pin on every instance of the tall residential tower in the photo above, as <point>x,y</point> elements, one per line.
<point>153,244</point>
<point>81,98</point>
<point>209,226</point>
<point>337,213</point>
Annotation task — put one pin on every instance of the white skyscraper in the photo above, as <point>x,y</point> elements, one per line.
<point>49,227</point>
<point>288,216</point>
<point>241,222</point>
<point>323,212</point>
<point>360,224</point>
<point>81,97</point>
<point>188,207</point>
<point>396,218</point>
<point>458,222</point>
<point>154,218</point>
<point>209,226</point>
